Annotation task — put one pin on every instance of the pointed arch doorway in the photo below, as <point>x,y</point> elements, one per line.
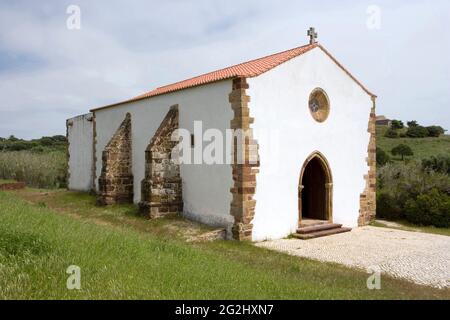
<point>315,191</point>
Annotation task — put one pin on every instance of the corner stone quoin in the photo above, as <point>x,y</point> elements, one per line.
<point>244,174</point>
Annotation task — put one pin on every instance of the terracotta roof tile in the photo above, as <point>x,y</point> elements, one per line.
<point>247,69</point>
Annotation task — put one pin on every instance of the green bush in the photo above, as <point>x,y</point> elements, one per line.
<point>19,146</point>
<point>429,209</point>
<point>417,132</point>
<point>397,124</point>
<point>382,157</point>
<point>406,181</point>
<point>435,131</point>
<point>399,185</point>
<point>412,124</point>
<point>440,163</point>
<point>391,133</point>
<point>49,143</point>
<point>388,207</point>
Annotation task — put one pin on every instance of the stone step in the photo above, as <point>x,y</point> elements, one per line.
<point>323,233</point>
<point>319,227</point>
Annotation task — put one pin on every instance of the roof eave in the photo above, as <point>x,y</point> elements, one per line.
<point>316,45</point>
<point>157,95</point>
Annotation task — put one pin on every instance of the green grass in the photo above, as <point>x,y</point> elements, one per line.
<point>123,256</point>
<point>407,226</point>
<point>422,147</point>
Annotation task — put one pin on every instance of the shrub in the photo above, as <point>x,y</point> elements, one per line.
<point>406,181</point>
<point>398,183</point>
<point>397,124</point>
<point>49,143</point>
<point>38,149</point>
<point>382,157</point>
<point>431,208</point>
<point>435,131</point>
<point>417,132</point>
<point>440,163</point>
<point>412,124</point>
<point>60,138</point>
<point>388,207</point>
<point>18,146</point>
<point>391,133</point>
<point>402,150</point>
<point>13,138</point>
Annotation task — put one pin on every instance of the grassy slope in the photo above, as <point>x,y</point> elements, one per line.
<point>422,147</point>
<point>119,260</point>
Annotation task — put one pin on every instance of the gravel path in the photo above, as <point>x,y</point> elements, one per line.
<point>418,257</point>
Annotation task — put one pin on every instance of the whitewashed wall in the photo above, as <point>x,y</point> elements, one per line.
<point>287,135</point>
<point>80,133</point>
<point>206,188</point>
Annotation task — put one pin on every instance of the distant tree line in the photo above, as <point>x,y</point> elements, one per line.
<point>36,145</point>
<point>414,130</point>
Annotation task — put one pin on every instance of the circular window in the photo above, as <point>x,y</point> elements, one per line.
<point>319,105</point>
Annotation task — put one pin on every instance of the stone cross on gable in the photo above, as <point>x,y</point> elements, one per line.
<point>312,35</point>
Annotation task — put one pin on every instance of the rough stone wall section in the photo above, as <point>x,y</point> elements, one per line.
<point>368,202</point>
<point>116,180</point>
<point>244,169</point>
<point>162,185</point>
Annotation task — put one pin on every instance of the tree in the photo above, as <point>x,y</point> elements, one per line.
<point>382,157</point>
<point>417,132</point>
<point>412,124</point>
<point>402,150</point>
<point>13,138</point>
<point>46,141</point>
<point>435,131</point>
<point>397,124</point>
<point>391,133</point>
<point>59,138</point>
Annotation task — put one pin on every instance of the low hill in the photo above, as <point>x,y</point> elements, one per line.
<point>422,147</point>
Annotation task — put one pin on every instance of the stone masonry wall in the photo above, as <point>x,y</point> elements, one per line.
<point>162,185</point>
<point>368,204</point>
<point>244,172</point>
<point>116,179</point>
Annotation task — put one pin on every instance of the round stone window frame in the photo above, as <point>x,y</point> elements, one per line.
<point>323,111</point>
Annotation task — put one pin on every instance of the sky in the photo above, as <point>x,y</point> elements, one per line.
<point>50,72</point>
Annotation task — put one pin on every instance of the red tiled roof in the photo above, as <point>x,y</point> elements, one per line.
<point>248,69</point>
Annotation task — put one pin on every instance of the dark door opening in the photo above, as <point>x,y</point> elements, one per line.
<point>313,195</point>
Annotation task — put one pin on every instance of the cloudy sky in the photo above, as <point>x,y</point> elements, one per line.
<point>399,49</point>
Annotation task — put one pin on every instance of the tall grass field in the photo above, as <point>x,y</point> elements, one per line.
<point>36,169</point>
